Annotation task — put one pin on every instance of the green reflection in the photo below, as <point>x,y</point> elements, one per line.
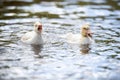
<point>44,14</point>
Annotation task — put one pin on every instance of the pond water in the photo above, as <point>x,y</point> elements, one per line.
<point>58,59</point>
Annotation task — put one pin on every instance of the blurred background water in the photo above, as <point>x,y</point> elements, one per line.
<point>60,60</point>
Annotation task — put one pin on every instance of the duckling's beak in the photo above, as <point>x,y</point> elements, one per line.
<point>89,33</point>
<point>40,28</point>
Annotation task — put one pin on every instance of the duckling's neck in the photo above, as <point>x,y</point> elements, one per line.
<point>85,40</point>
<point>84,36</point>
<point>38,33</point>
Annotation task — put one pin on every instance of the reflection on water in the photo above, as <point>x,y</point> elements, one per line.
<point>61,60</point>
<point>85,48</point>
<point>37,49</point>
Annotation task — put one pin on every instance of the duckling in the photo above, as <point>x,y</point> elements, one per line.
<point>34,37</point>
<point>82,38</point>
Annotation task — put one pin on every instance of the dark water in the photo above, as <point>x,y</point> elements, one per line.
<point>58,59</point>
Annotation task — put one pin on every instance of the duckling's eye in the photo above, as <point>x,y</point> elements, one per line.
<point>86,28</point>
<point>35,25</point>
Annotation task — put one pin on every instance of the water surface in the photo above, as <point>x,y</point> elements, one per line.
<point>58,59</point>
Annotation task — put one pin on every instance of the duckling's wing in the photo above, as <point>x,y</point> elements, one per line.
<point>27,37</point>
<point>74,38</point>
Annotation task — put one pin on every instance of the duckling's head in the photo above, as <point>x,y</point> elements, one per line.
<point>85,31</point>
<point>38,27</point>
